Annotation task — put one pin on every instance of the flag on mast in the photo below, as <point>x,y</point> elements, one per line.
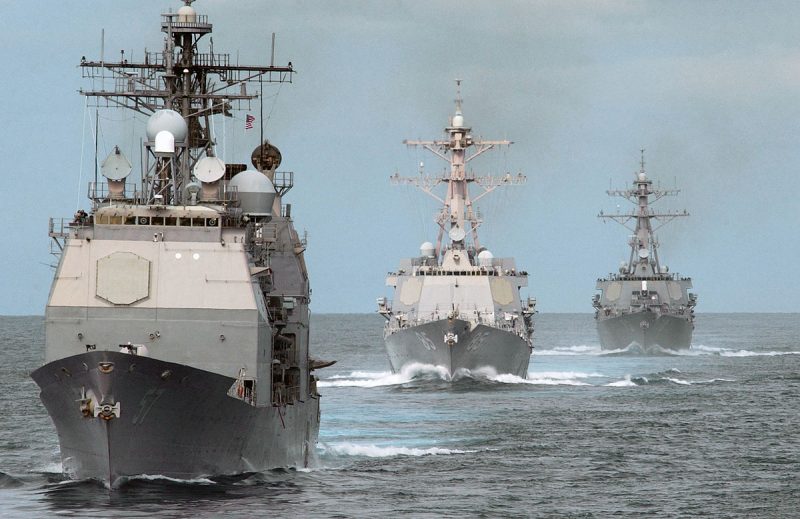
<point>248,122</point>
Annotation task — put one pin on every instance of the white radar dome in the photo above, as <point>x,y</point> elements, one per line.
<point>187,14</point>
<point>644,253</point>
<point>167,120</point>
<point>427,250</point>
<point>458,120</point>
<point>165,142</point>
<point>485,258</point>
<point>255,191</point>
<point>642,177</point>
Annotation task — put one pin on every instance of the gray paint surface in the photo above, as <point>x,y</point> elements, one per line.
<point>456,305</point>
<point>644,304</point>
<point>177,328</point>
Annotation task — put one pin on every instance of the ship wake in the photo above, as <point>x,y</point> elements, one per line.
<point>671,376</point>
<point>375,451</point>
<point>369,379</point>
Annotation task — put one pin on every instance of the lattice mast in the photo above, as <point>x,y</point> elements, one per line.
<point>458,215</point>
<point>643,241</point>
<point>197,85</point>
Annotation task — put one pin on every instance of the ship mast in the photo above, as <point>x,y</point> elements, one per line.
<point>643,242</point>
<point>458,216</point>
<point>197,85</point>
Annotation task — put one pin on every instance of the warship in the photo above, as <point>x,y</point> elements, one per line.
<point>644,306</point>
<point>177,325</point>
<point>456,306</point>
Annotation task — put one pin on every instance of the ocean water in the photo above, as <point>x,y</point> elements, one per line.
<point>712,432</point>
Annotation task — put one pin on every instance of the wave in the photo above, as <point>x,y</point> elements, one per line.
<point>663,377</point>
<point>427,372</point>
<point>595,350</point>
<point>414,371</point>
<point>9,481</point>
<point>52,468</point>
<point>374,451</point>
<point>729,352</point>
<point>625,382</point>
<point>158,477</point>
<point>635,350</point>
<point>570,350</point>
<point>548,378</point>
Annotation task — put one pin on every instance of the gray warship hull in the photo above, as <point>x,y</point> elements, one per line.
<point>480,347</point>
<point>174,421</point>
<point>649,331</point>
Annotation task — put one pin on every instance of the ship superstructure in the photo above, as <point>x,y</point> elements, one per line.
<point>644,305</point>
<point>456,305</point>
<point>177,325</point>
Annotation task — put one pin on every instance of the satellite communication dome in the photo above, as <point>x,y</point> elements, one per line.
<point>485,258</point>
<point>187,14</point>
<point>165,142</point>
<point>256,192</point>
<point>167,120</point>
<point>427,250</point>
<point>458,120</point>
<point>642,177</point>
<point>209,169</point>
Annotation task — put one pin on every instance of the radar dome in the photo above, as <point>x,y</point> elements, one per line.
<point>167,120</point>
<point>256,192</point>
<point>485,258</point>
<point>642,177</point>
<point>427,250</point>
<point>458,120</point>
<point>165,142</point>
<point>187,14</point>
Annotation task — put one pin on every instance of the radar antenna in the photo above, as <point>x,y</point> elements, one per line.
<point>457,213</point>
<point>643,241</point>
<point>196,83</point>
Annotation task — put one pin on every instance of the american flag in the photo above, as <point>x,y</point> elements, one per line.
<point>248,122</point>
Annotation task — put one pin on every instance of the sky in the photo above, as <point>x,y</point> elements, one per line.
<point>708,88</point>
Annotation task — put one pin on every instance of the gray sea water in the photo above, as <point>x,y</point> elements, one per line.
<point>712,432</point>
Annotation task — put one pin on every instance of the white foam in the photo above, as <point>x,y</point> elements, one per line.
<point>158,477</point>
<point>53,468</point>
<point>536,379</point>
<point>385,378</point>
<point>372,375</point>
<point>370,379</point>
<point>692,382</point>
<point>679,381</point>
<point>548,378</point>
<point>570,350</point>
<point>728,352</point>
<point>374,451</point>
<point>625,382</point>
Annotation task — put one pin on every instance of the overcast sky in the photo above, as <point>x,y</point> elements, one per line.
<point>708,88</point>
